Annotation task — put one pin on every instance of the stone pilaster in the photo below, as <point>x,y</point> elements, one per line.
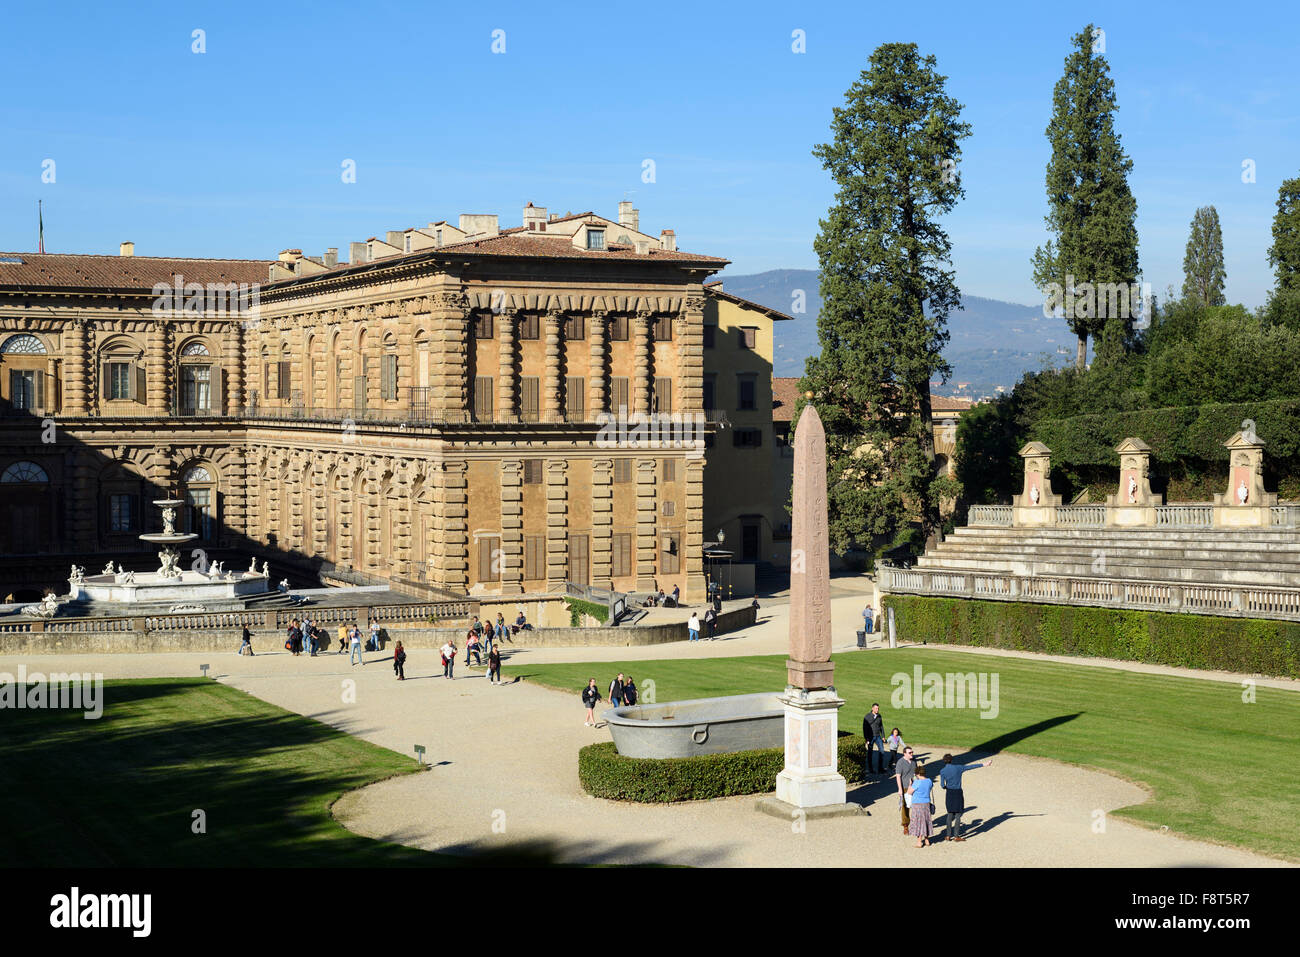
<point>348,366</point>
<point>158,385</point>
<point>512,527</point>
<point>83,509</point>
<point>552,391</point>
<point>294,527</point>
<point>598,367</point>
<point>507,409</point>
<point>602,522</point>
<point>455,526</point>
<point>647,547</point>
<point>232,370</point>
<point>690,355</point>
<point>376,505</point>
<point>696,587</point>
<point>297,363</point>
<point>76,363</point>
<point>449,357</point>
<point>403,510</point>
<point>642,350</point>
<point>235,497</point>
<point>557,521</point>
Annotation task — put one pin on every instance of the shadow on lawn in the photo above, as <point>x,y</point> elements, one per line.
<point>124,790</point>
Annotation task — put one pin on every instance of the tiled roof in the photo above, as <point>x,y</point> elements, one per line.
<point>944,403</point>
<point>776,314</point>
<point>75,271</point>
<point>561,247</point>
<point>557,219</point>
<point>785,392</point>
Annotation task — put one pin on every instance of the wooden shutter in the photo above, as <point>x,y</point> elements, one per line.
<point>488,546</point>
<point>579,566</point>
<point>532,471</point>
<point>282,381</point>
<point>663,395</point>
<point>670,560</point>
<point>534,557</point>
<point>670,470</point>
<point>529,390</point>
<point>622,471</point>
<point>618,394</point>
<point>621,556</point>
<point>388,377</point>
<point>223,398</point>
<point>575,397</point>
<point>105,381</point>
<point>483,398</point>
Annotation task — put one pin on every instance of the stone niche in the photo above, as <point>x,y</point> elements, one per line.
<point>1245,503</point>
<point>1036,505</point>
<point>1134,503</point>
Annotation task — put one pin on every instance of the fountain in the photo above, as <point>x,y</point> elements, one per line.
<point>169,583</point>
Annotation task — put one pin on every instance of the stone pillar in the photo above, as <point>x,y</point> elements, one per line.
<point>647,546</point>
<point>557,521</point>
<point>295,536</point>
<point>1036,505</point>
<point>642,383</point>
<point>400,501</point>
<point>598,367</point>
<point>507,409</point>
<point>690,355</point>
<point>455,526</point>
<point>552,384</point>
<point>512,527</point>
<point>602,522</point>
<point>1134,503</point>
<point>158,384</point>
<point>1245,503</point>
<point>83,508</point>
<point>320,507</point>
<point>449,346</point>
<point>76,364</point>
<point>696,589</point>
<point>231,374</point>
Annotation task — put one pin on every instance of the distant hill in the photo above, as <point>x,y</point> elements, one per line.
<point>993,343</point>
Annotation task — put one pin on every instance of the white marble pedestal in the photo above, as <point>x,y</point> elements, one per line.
<point>811,778</point>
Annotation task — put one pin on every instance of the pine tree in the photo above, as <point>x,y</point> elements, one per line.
<point>1284,254</point>
<point>1203,272</point>
<point>1090,210</point>
<point>887,288</point>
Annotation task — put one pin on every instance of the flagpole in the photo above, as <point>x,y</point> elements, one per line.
<point>40,212</point>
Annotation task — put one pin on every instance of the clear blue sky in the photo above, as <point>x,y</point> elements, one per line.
<point>237,152</point>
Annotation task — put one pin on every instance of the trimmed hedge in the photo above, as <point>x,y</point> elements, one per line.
<point>605,773</point>
<point>1246,645</point>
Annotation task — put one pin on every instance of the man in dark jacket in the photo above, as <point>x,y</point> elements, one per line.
<point>873,730</point>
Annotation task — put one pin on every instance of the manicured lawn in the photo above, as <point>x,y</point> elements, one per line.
<point>1218,769</point>
<point>120,791</point>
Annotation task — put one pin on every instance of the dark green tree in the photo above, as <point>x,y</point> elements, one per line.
<point>1203,272</point>
<point>1090,210</point>
<point>887,288</point>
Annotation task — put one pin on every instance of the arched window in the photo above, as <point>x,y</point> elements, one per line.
<point>197,380</point>
<point>199,491</point>
<point>24,472</point>
<point>23,344</point>
<point>195,349</point>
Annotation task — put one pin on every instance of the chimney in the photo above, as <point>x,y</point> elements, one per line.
<point>290,255</point>
<point>642,247</point>
<point>627,216</point>
<point>126,249</point>
<point>395,238</point>
<point>332,257</point>
<point>668,240</point>
<point>479,225</point>
<point>534,218</point>
<point>357,253</point>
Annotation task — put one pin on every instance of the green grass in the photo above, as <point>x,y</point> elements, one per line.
<point>120,791</point>
<point>1217,769</point>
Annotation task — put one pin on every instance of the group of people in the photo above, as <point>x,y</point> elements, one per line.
<point>710,624</point>
<point>472,645</point>
<point>916,783</point>
<point>622,691</point>
<point>662,600</point>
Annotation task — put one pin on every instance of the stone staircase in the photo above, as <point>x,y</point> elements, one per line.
<point>1259,556</point>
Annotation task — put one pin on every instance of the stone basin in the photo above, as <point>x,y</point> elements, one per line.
<point>149,588</point>
<point>682,729</point>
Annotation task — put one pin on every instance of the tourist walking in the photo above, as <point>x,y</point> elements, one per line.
<point>472,648</point>
<point>449,660</point>
<point>355,640</point>
<point>494,666</point>
<point>295,638</point>
<point>873,730</point>
<point>374,637</point>
<point>868,614</point>
<point>922,824</point>
<point>590,698</point>
<point>309,636</point>
<point>343,638</point>
<point>711,623</point>
<point>954,798</point>
<point>693,626</point>
<point>399,662</point>
<point>895,742</point>
<point>677,594</point>
<point>616,692</point>
<point>246,640</point>
<point>629,691</point>
<point>904,771</point>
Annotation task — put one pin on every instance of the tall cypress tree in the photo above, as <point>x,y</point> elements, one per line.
<point>887,288</point>
<point>1284,254</point>
<point>1203,272</point>
<point>1090,210</point>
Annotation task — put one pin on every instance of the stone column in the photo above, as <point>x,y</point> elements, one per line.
<point>690,355</point>
<point>642,349</point>
<point>598,367</point>
<point>157,363</point>
<point>449,357</point>
<point>76,369</point>
<point>696,589</point>
<point>647,546</point>
<point>552,393</point>
<point>232,370</point>
<point>507,409</point>
<point>602,522</point>
<point>512,527</point>
<point>557,521</point>
<point>233,502</point>
<point>400,499</point>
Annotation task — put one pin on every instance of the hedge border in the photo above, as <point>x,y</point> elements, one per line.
<point>604,773</point>
<point>1207,642</point>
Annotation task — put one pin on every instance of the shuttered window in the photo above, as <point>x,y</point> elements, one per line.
<point>746,385</point>
<point>748,337</point>
<point>489,558</point>
<point>622,471</point>
<point>663,397</point>
<point>529,392</point>
<point>618,395</point>
<point>534,557</point>
<point>388,377</point>
<point>529,327</point>
<point>532,471</point>
<point>483,326</point>
<point>670,557</point>
<point>620,557</point>
<point>618,328</point>
<point>283,379</point>
<point>575,396</point>
<point>663,329</point>
<point>575,328</point>
<point>579,562</point>
<point>482,398</point>
<point>670,470</point>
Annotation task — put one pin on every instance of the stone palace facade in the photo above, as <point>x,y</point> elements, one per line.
<point>459,406</point>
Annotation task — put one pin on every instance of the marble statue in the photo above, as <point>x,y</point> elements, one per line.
<point>109,570</point>
<point>78,575</point>
<point>1243,493</point>
<point>1132,489</point>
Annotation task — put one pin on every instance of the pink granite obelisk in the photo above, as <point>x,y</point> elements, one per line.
<point>810,664</point>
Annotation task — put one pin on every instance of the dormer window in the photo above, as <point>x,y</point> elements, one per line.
<point>595,239</point>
